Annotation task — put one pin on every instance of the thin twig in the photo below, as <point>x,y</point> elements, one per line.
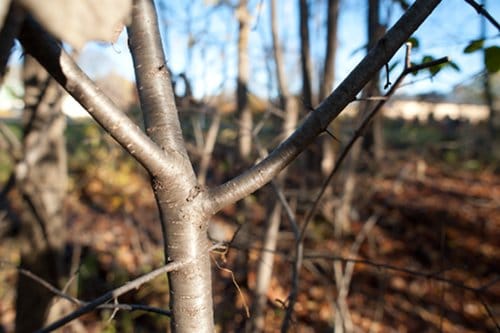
<point>237,286</point>
<point>279,192</point>
<point>482,11</point>
<point>288,209</point>
<point>359,131</point>
<point>316,122</point>
<point>74,300</point>
<point>489,312</point>
<point>312,211</point>
<point>113,294</point>
<point>41,281</point>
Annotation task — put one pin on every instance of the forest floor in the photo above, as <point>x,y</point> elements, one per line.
<point>430,263</point>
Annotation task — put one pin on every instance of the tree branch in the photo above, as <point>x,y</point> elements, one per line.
<point>299,248</point>
<point>9,29</point>
<point>153,80</point>
<point>318,120</point>
<point>113,294</point>
<point>359,131</point>
<point>481,11</point>
<point>48,52</point>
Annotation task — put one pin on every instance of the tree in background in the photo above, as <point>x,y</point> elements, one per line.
<point>41,179</point>
<point>243,108</point>
<point>328,79</point>
<point>376,30</point>
<point>290,106</point>
<point>487,89</point>
<point>305,53</point>
<point>185,206</point>
<point>374,136</point>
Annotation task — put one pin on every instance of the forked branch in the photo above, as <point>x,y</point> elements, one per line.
<point>318,120</point>
<point>49,53</point>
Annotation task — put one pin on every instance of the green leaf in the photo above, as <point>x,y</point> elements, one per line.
<point>474,46</point>
<point>453,65</point>
<point>492,59</point>
<point>427,58</point>
<point>414,42</point>
<point>435,69</point>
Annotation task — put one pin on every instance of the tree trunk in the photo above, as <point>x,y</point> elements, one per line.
<point>185,207</point>
<point>374,138</point>
<point>488,92</point>
<point>342,220</point>
<point>278,57</point>
<point>42,179</point>
<point>184,220</point>
<point>329,146</point>
<point>244,111</point>
<point>328,74</point>
<point>266,262</point>
<point>305,53</point>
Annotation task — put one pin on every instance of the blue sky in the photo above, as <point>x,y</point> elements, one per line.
<point>211,63</point>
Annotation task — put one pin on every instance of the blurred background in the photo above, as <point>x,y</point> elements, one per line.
<point>417,202</point>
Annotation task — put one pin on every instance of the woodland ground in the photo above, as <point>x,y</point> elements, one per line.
<point>436,196</point>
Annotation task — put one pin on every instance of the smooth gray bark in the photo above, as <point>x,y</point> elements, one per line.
<point>184,206</point>
<point>318,120</point>
<point>184,224</point>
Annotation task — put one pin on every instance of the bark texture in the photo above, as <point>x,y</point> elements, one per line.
<point>184,205</point>
<point>184,223</point>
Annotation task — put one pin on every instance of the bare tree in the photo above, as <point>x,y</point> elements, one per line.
<point>328,73</point>
<point>374,135</point>
<point>244,111</point>
<point>185,206</point>
<point>266,263</point>
<point>41,180</point>
<point>376,30</point>
<point>305,53</point>
<point>327,80</point>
